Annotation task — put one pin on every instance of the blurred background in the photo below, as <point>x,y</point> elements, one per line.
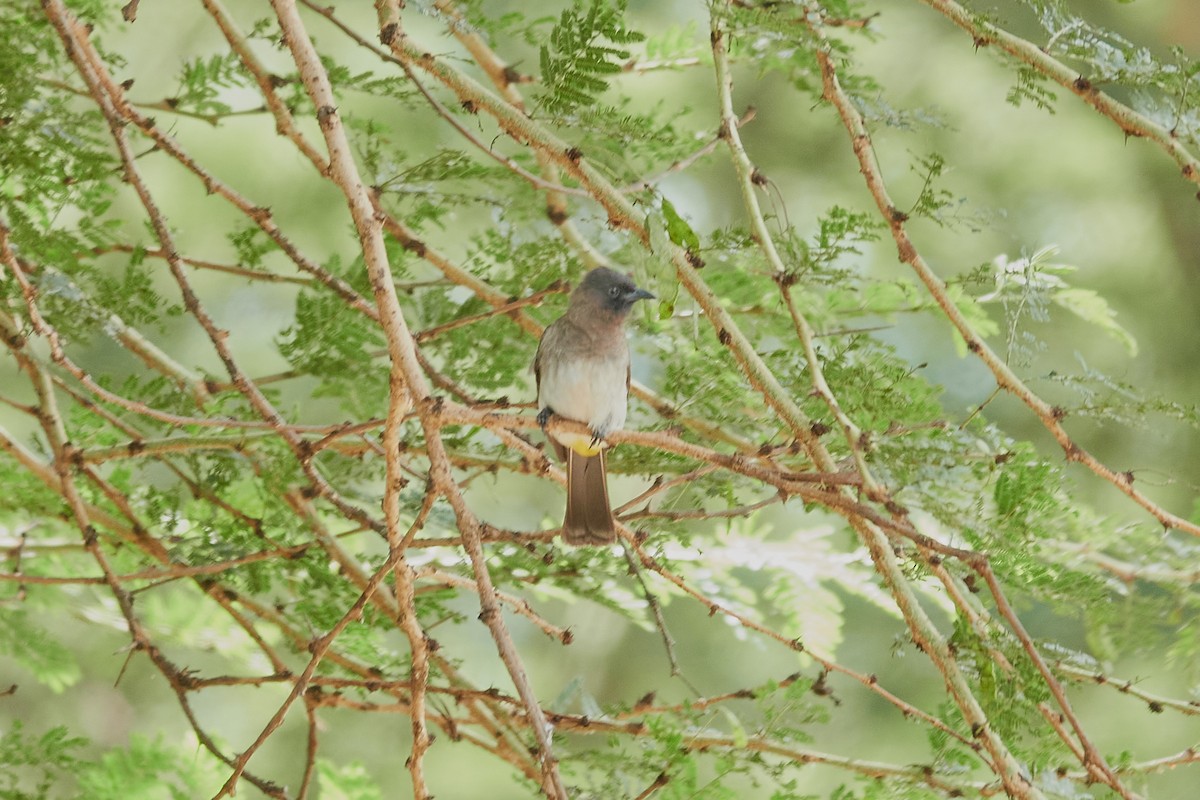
<point>1116,208</point>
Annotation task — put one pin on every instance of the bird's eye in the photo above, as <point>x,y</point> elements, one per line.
<point>614,291</point>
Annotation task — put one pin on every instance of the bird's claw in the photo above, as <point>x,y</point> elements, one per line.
<point>544,416</point>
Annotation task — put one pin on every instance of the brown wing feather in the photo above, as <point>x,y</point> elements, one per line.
<point>537,361</point>
<point>549,334</point>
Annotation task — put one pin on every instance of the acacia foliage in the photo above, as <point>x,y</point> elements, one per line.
<point>248,400</point>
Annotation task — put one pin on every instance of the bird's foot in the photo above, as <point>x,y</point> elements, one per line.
<point>599,434</point>
<point>544,416</point>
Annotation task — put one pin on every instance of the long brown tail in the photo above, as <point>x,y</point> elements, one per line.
<point>589,518</point>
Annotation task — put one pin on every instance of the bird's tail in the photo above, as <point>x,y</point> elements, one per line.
<point>589,518</point>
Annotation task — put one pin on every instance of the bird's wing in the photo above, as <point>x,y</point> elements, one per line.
<point>537,359</point>
<point>550,337</point>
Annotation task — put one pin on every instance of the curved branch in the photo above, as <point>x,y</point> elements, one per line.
<point>1129,121</point>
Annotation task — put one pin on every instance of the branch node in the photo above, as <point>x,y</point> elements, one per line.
<point>325,115</point>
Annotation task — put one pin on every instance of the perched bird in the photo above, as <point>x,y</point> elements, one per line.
<point>582,371</point>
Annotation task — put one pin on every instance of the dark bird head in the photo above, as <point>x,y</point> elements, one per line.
<point>609,291</point>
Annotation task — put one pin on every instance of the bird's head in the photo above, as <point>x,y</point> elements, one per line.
<point>611,291</point>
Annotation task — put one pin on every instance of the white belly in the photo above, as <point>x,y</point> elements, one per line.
<point>589,391</point>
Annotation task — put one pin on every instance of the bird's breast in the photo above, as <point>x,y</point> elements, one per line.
<point>591,390</point>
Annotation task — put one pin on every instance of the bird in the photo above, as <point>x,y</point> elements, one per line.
<point>582,374</point>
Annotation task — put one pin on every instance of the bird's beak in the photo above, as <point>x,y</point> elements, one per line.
<point>640,294</point>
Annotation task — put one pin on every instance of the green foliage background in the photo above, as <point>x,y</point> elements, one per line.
<point>1069,246</point>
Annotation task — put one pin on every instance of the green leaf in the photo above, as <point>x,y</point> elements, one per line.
<point>976,315</point>
<point>348,782</point>
<point>148,770</point>
<point>575,56</point>
<point>48,661</point>
<point>678,229</point>
<point>1088,305</point>
<point>30,766</point>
